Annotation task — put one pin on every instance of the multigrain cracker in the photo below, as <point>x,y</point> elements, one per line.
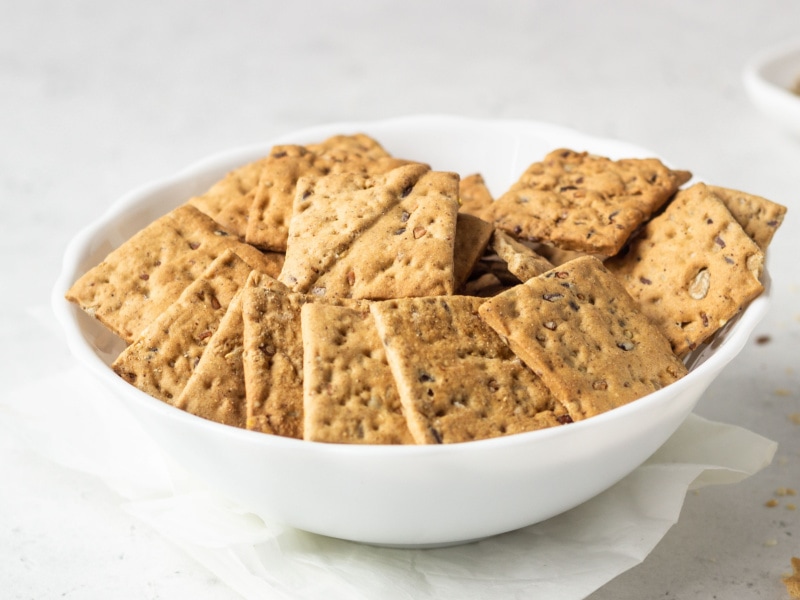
<point>457,380</point>
<point>472,238</point>
<point>476,199</point>
<point>273,361</point>
<point>271,208</point>
<point>163,357</point>
<point>692,268</point>
<point>578,201</point>
<point>349,394</point>
<point>142,277</point>
<point>215,389</point>
<point>520,260</point>
<point>373,237</point>
<point>577,328</point>
<point>229,200</point>
<point>760,218</point>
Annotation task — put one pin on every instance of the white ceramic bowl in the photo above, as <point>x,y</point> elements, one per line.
<point>769,78</point>
<point>403,496</point>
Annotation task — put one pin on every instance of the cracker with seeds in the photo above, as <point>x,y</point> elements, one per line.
<point>349,394</point>
<point>137,281</point>
<point>472,238</point>
<point>229,200</point>
<point>692,268</point>
<point>215,389</point>
<point>476,199</point>
<point>457,380</point>
<point>520,260</point>
<point>379,237</point>
<point>163,357</point>
<point>271,208</point>
<point>760,218</point>
<point>578,329</point>
<point>578,201</point>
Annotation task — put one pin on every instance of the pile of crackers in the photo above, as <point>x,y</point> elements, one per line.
<point>334,293</point>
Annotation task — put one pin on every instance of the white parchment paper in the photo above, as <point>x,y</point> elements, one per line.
<point>69,419</point>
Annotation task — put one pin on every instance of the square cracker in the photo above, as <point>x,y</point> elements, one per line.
<point>580,331</point>
<point>760,218</point>
<point>578,201</point>
<point>163,357</point>
<point>520,260</point>
<point>692,268</point>
<point>137,281</point>
<point>349,394</point>
<point>389,236</point>
<point>229,200</point>
<point>271,207</point>
<point>458,381</point>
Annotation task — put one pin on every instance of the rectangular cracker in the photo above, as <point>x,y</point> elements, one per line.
<point>229,200</point>
<point>578,329</point>
<point>578,201</point>
<point>163,357</point>
<point>215,389</point>
<point>457,380</point>
<point>692,268</point>
<point>378,237</point>
<point>472,238</point>
<point>520,260</point>
<point>349,394</point>
<point>760,218</point>
<point>137,281</point>
<point>271,208</point>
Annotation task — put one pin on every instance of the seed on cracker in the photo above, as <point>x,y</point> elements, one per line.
<point>349,394</point>
<point>692,268</point>
<point>379,237</point>
<point>578,201</point>
<point>578,329</point>
<point>457,380</point>
<point>163,357</point>
<point>137,281</point>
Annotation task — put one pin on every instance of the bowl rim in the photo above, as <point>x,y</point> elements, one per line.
<point>737,333</point>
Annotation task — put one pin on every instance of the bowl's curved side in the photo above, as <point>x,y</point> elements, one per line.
<point>393,495</point>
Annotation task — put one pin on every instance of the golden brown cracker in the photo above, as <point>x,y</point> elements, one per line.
<point>349,394</point>
<point>457,380</point>
<point>142,277</point>
<point>163,357</point>
<point>271,208</point>
<point>760,218</point>
<point>692,268</point>
<point>476,199</point>
<point>215,389</point>
<point>578,201</point>
<point>229,200</point>
<point>520,260</point>
<point>472,238</point>
<point>378,237</point>
<point>578,329</point>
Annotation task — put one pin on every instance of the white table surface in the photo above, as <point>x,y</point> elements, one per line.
<point>99,97</point>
